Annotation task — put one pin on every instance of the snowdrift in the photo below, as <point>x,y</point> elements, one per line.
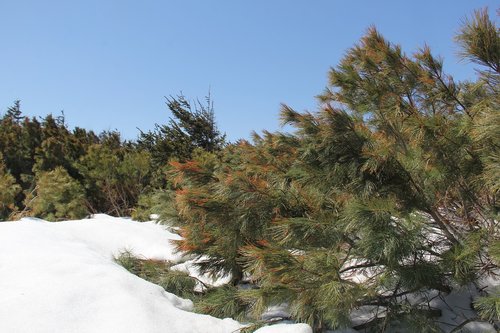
<point>61,277</point>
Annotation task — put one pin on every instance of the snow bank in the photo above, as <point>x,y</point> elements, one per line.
<point>61,277</point>
<point>109,235</point>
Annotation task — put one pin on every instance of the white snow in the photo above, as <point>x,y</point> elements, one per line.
<point>478,327</point>
<point>189,267</point>
<point>285,328</point>
<point>110,235</point>
<point>61,277</point>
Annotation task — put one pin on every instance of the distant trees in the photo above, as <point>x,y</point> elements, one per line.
<point>18,141</point>
<point>41,154</point>
<point>8,192</point>
<point>191,129</point>
<point>57,196</point>
<point>192,126</point>
<point>114,177</point>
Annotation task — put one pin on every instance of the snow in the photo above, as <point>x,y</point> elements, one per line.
<point>285,328</point>
<point>478,327</point>
<point>189,267</point>
<point>456,308</point>
<point>276,311</point>
<point>61,277</point>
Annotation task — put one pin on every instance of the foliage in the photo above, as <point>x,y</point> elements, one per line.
<point>30,147</point>
<point>192,126</point>
<point>114,173</point>
<point>390,188</point>
<point>479,41</point>
<point>156,202</point>
<point>8,192</point>
<point>159,272</point>
<point>489,306</point>
<point>58,147</point>
<point>222,302</point>
<point>222,206</point>
<point>18,141</point>
<point>114,177</point>
<point>57,197</point>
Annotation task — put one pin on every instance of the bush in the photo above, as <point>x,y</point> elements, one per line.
<point>159,272</point>
<point>57,196</point>
<point>8,192</point>
<point>114,178</point>
<point>223,302</point>
<point>158,202</point>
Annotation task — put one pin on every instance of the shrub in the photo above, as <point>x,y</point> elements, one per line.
<point>57,196</point>
<point>159,272</point>
<point>8,192</point>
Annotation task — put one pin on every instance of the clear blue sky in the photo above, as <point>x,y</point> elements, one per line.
<point>109,64</point>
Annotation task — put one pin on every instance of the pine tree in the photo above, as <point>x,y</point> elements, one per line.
<point>388,190</point>
<point>58,147</point>
<point>57,197</point>
<point>394,149</point>
<point>17,153</point>
<point>114,176</point>
<point>14,112</point>
<point>192,126</point>
<point>9,190</point>
<point>223,204</point>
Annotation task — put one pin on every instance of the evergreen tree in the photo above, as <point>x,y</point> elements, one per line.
<point>17,154</point>
<point>391,188</point>
<point>14,112</point>
<point>114,176</point>
<point>59,147</point>
<point>57,197</point>
<point>192,126</point>
<point>8,192</point>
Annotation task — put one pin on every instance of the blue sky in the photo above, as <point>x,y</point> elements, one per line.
<point>109,64</point>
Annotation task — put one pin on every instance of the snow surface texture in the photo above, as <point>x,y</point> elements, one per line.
<point>190,268</point>
<point>285,328</point>
<point>61,277</point>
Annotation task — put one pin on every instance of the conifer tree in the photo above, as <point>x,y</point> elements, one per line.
<point>191,126</point>
<point>393,149</point>
<point>58,147</point>
<point>17,140</point>
<point>57,197</point>
<point>14,112</point>
<point>8,191</point>
<point>224,203</point>
<point>114,176</point>
<point>391,188</point>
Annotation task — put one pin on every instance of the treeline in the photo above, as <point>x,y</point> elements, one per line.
<point>52,172</point>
